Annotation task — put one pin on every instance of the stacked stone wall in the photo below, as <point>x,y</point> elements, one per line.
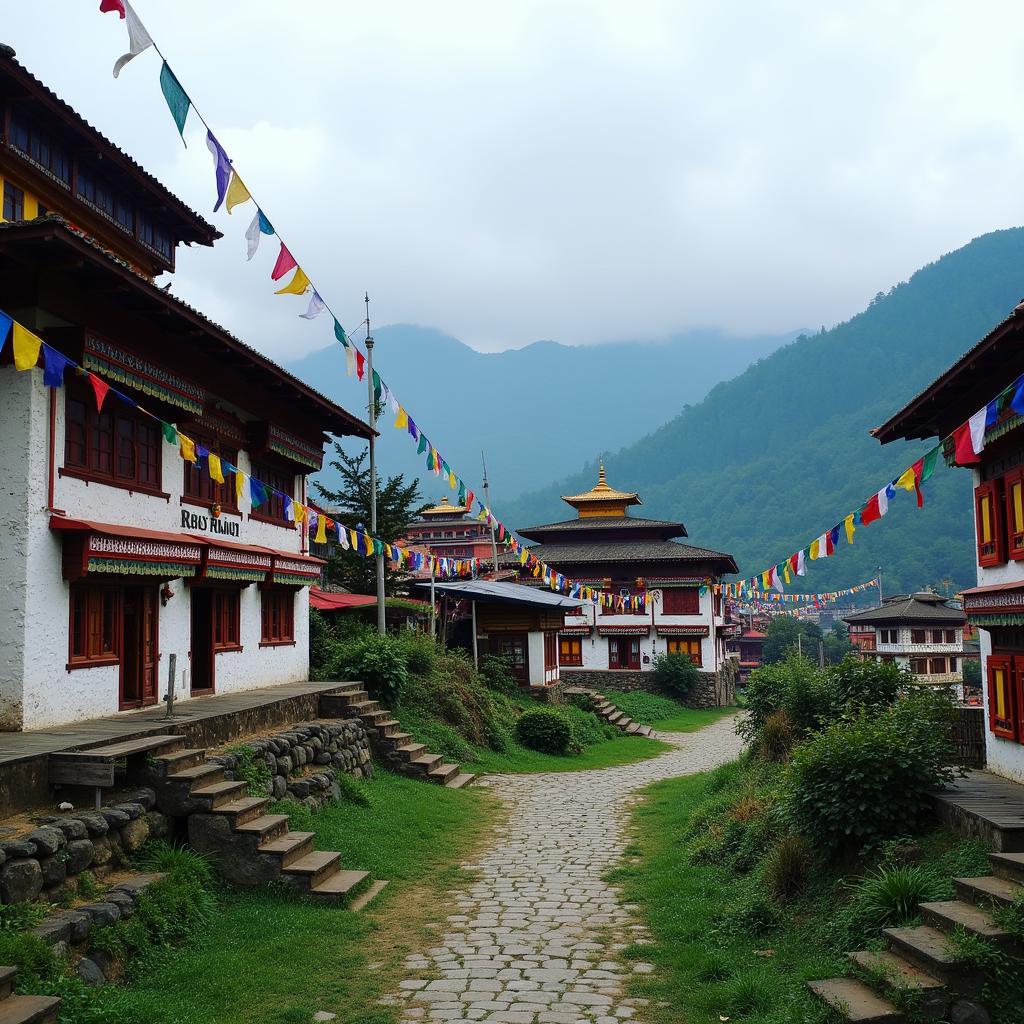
<point>713,690</point>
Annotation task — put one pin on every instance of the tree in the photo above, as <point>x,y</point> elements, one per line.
<point>837,643</point>
<point>398,505</point>
<point>786,634</point>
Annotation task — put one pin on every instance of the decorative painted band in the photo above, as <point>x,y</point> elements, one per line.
<point>291,580</point>
<point>219,572</point>
<point>575,631</point>
<point>682,630</point>
<point>624,630</point>
<point>128,567</point>
<point>1004,619</point>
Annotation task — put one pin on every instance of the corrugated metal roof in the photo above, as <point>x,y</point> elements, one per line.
<point>496,592</point>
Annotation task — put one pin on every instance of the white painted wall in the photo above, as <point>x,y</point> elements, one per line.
<point>535,657</point>
<point>36,688</point>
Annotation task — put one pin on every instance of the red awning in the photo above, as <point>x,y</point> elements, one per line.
<point>329,602</point>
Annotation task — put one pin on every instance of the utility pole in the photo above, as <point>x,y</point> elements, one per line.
<point>378,555</point>
<point>487,498</point>
<point>879,571</point>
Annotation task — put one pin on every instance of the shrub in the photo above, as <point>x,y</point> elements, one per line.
<point>795,686</point>
<point>889,897</point>
<point>497,673</point>
<point>675,674</point>
<point>252,770</point>
<point>863,781</point>
<point>376,661</point>
<point>866,684</point>
<point>787,868</point>
<point>776,738</point>
<point>420,651</point>
<point>544,730</point>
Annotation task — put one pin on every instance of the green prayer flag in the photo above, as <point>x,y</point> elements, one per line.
<point>177,102</point>
<point>423,444</point>
<point>170,434</point>
<point>928,466</point>
<point>376,387</point>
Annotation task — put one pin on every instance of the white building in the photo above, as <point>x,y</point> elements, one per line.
<point>115,553</point>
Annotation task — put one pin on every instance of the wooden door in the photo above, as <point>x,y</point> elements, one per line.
<point>201,655</point>
<point>149,663</point>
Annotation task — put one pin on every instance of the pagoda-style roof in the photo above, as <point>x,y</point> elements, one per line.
<point>445,508</point>
<point>627,551</point>
<point>602,499</point>
<point>604,528</point>
<point>923,608</point>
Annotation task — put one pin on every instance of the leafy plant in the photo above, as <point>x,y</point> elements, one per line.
<point>675,674</point>
<point>497,672</point>
<point>889,896</point>
<point>787,867</point>
<point>794,686</point>
<point>377,661</point>
<point>16,916</point>
<point>252,769</point>
<point>866,684</point>
<point>420,651</point>
<point>544,730</point>
<point>87,886</point>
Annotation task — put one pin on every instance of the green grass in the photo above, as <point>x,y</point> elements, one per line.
<point>270,958</point>
<point>518,759</point>
<point>663,712</point>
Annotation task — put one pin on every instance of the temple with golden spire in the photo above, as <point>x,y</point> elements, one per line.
<point>449,531</point>
<point>607,547</point>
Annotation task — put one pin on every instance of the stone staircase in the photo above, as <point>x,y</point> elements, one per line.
<point>24,1009</point>
<point>921,967</point>
<point>604,708</point>
<point>397,749</point>
<point>249,846</point>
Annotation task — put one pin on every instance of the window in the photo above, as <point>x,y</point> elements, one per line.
<point>952,665</point>
<point>570,650</point>
<point>1002,710</point>
<point>278,484</point>
<point>1014,484</point>
<point>226,617</point>
<point>937,666</point>
<point>988,513</point>
<point>278,616</point>
<point>154,237</point>
<point>918,636</point>
<point>201,487</point>
<point>950,636</point>
<point>40,148</point>
<point>919,666</point>
<point>680,601</point>
<point>685,645</point>
<point>117,446</point>
<point>14,202</point>
<point>889,636</point>
<point>95,617</point>
<point>623,653</point>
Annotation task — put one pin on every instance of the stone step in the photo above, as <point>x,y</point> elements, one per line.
<point>442,773</point>
<point>632,729</point>
<point>946,915</point>
<point>375,718</point>
<point>624,722</point>
<point>315,867</point>
<point>181,759</point>
<point>928,948</point>
<point>855,1002</point>
<point>386,726</point>
<point>426,762</point>
<point>7,975</point>
<point>459,781</point>
<point>29,1010</point>
<point>365,707</point>
<point>219,793</point>
<point>1008,865</point>
<point>242,810</point>
<point>264,828</point>
<point>338,885</point>
<point>290,847</point>
<point>367,896</point>
<point>398,739</point>
<point>987,890</point>
<point>198,775</point>
<point>896,974</point>
<point>646,730</point>
<point>616,718</point>
<point>410,751</point>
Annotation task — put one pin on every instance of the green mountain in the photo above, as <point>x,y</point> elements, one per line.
<point>771,459</point>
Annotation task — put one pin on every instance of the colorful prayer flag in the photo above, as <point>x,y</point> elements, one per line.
<point>139,39</point>
<point>315,308</point>
<point>259,226</point>
<point>26,347</point>
<point>237,193</point>
<point>54,364</point>
<point>221,168</point>
<point>297,285</point>
<point>188,448</point>
<point>213,464</point>
<point>963,446</point>
<point>177,101</point>
<point>170,434</point>
<point>99,389</point>
<point>285,262</point>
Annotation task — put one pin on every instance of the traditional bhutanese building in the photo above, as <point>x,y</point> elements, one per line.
<point>116,554</point>
<point>747,647</point>
<point>607,547</point>
<point>996,605</point>
<point>449,531</point>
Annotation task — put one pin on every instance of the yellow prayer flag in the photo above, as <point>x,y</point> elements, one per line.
<point>451,480</point>
<point>369,543</point>
<point>321,530</point>
<point>297,285</point>
<point>216,473</point>
<point>907,479</point>
<point>354,540</point>
<point>187,447</point>
<point>402,419</point>
<point>26,347</point>
<point>814,550</point>
<point>848,523</point>
<point>299,511</point>
<point>239,486</point>
<point>785,573</point>
<point>237,192</point>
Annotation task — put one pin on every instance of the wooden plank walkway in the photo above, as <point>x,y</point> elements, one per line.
<point>987,806</point>
<point>128,725</point>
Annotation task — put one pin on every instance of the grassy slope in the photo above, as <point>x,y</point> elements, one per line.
<point>269,958</point>
<point>664,712</point>
<point>518,759</point>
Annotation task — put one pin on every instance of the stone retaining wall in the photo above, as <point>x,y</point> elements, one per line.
<point>43,863</point>
<point>714,689</point>
<point>305,759</point>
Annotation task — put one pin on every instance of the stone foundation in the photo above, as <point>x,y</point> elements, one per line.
<point>714,689</point>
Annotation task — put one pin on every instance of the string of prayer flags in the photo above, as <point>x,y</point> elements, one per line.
<point>259,226</point>
<point>221,168</point>
<point>177,100</point>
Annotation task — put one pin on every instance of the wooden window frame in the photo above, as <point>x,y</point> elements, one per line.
<point>277,616</point>
<point>677,594</point>
<point>90,598</point>
<point>1007,728</point>
<point>675,643</point>
<point>268,475</point>
<point>1014,537</point>
<point>9,189</point>
<point>227,619</point>
<point>992,551</point>
<point>575,645</point>
<point>919,636</point>
<point>199,488</point>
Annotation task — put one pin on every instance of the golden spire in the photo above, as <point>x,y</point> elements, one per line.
<point>602,500</point>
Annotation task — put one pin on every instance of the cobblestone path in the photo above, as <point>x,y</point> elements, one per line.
<point>535,938</point>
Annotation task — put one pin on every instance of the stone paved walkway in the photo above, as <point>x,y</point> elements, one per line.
<point>536,937</point>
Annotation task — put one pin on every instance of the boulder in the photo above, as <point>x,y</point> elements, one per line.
<point>89,971</point>
<point>54,929</point>
<point>114,818</point>
<point>22,847</point>
<point>134,834</point>
<point>102,913</point>
<point>48,840</point>
<point>79,854</point>
<point>280,787</point>
<point>123,901</point>
<point>80,924</point>
<point>95,823</point>
<point>159,825</point>
<point>133,810</point>
<point>966,1012</point>
<point>144,796</point>
<point>102,850</point>
<point>54,871</point>
<point>72,828</point>
<point>21,880</point>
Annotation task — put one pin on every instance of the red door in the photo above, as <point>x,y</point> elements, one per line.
<point>139,653</point>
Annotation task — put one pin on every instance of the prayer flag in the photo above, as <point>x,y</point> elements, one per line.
<point>239,487</point>
<point>833,540</point>
<point>213,464</point>
<point>929,461</point>
<point>963,446</point>
<point>188,448</point>
<point>850,528</point>
<point>350,361</point>
<point>5,326</point>
<point>26,347</point>
<point>883,501</point>
<point>99,389</point>
<point>360,363</point>
<point>297,285</point>
<point>259,226</point>
<point>177,102</point>
<point>815,549</point>
<point>339,333</point>
<point>402,419</point>
<point>170,434</point>
<point>54,363</point>
<point>1017,401</point>
<point>221,167</point>
<point>299,511</point>
<point>870,512</point>
<point>342,536</point>
<point>977,428</point>
<point>109,6</point>
<point>423,445</point>
<point>237,192</point>
<point>315,308</point>
<point>138,38</point>
<point>285,262</point>
<point>257,492</point>
<point>801,569</point>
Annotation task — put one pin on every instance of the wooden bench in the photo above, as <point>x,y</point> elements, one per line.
<point>95,766</point>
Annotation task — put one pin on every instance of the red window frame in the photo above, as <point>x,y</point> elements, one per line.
<point>680,601</point>
<point>988,517</point>
<point>272,510</point>
<point>118,446</point>
<point>227,617</point>
<point>686,645</point>
<point>277,616</point>
<point>1013,492</point>
<point>1004,673</point>
<point>198,487</point>
<point>633,652</point>
<point>94,627</point>
<point>570,650</point>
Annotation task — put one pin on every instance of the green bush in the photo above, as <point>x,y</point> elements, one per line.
<point>497,673</point>
<point>675,674</point>
<point>544,730</point>
<point>420,651</point>
<point>861,781</point>
<point>376,661</point>
<point>795,686</point>
<point>866,684</point>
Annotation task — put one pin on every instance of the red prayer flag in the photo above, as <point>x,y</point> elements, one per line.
<point>285,262</point>
<point>964,447</point>
<point>870,512</point>
<point>107,6</point>
<point>360,360</point>
<point>469,499</point>
<point>918,468</point>
<point>99,389</point>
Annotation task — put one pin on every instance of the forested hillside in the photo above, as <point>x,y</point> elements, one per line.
<point>776,456</point>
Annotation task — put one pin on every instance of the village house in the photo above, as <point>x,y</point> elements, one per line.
<point>449,531</point>
<point>919,633</point>
<point>747,647</point>
<point>116,553</point>
<point>996,605</point>
<point>606,547</point>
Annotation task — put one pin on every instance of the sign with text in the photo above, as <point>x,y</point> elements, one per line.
<point>207,523</point>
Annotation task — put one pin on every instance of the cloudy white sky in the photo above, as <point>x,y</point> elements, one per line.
<point>583,171</point>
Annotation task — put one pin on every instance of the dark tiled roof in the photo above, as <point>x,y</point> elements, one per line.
<point>59,227</point>
<point>205,232</point>
<point>631,551</point>
<point>910,608</point>
<point>604,522</point>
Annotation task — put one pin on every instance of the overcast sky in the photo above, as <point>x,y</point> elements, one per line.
<point>582,171</point>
